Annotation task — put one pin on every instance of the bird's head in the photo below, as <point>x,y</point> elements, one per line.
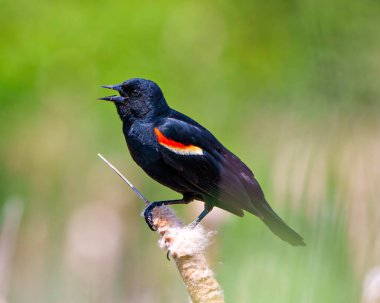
<point>138,99</point>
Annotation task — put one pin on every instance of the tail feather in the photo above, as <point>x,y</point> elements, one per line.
<point>283,231</point>
<point>278,226</point>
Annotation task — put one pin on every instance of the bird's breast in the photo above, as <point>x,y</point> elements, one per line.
<point>142,145</point>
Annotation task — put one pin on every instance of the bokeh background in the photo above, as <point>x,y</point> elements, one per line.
<point>292,87</point>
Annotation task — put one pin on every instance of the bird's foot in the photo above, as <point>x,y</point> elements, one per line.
<point>148,215</point>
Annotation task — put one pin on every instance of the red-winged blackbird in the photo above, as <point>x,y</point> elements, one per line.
<point>181,154</point>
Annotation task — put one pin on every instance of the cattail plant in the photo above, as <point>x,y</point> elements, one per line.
<point>186,245</point>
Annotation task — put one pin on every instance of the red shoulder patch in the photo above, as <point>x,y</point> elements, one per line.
<point>176,147</point>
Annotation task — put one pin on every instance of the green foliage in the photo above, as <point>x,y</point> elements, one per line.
<point>279,82</point>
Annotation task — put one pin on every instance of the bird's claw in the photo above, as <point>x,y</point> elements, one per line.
<point>149,216</point>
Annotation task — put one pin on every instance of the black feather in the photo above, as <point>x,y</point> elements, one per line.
<point>214,175</point>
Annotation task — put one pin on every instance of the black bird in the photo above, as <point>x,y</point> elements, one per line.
<point>181,154</point>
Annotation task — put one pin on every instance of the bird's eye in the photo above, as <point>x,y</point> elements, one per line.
<point>135,92</point>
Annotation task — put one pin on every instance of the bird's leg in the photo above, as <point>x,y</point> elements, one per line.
<point>203,214</point>
<point>148,210</point>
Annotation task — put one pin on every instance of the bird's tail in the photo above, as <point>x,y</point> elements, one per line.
<point>278,226</point>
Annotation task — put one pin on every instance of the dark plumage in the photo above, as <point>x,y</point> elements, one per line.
<point>181,154</point>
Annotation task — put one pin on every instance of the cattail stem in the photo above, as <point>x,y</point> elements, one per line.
<point>186,245</point>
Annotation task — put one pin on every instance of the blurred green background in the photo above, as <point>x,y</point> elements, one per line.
<point>292,87</point>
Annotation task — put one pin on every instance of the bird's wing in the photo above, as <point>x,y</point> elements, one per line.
<point>215,173</point>
<point>207,166</point>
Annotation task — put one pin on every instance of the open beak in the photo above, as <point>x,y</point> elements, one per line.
<point>114,87</point>
<point>114,98</point>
